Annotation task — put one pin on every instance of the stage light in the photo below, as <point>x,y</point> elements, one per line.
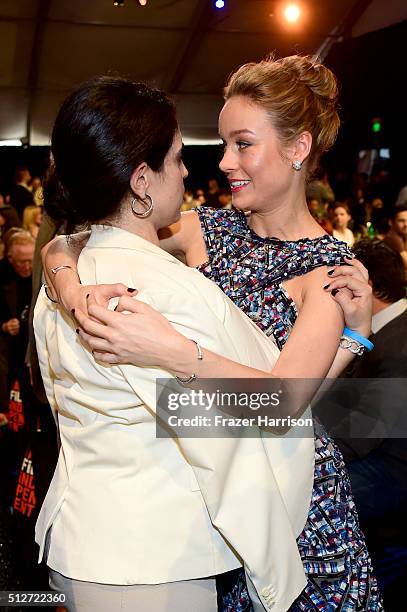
<point>11,143</point>
<point>142,2</point>
<point>220,4</point>
<point>292,13</point>
<point>118,3</point>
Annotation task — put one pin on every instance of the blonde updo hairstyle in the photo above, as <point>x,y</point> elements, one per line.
<point>299,95</point>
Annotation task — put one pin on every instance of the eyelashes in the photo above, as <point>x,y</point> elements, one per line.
<point>240,144</point>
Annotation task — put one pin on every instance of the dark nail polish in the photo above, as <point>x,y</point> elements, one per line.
<point>87,295</point>
<point>334,291</point>
<point>326,286</point>
<point>331,272</point>
<point>115,308</point>
<point>131,290</point>
<point>77,330</point>
<point>73,311</point>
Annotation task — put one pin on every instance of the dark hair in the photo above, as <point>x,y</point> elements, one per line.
<point>396,210</point>
<point>319,173</point>
<point>11,218</point>
<point>19,173</point>
<point>343,205</point>
<point>103,131</point>
<point>385,267</point>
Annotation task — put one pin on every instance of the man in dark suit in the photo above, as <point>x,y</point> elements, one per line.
<point>370,424</point>
<point>376,451</point>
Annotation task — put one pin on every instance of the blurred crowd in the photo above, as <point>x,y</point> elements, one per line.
<point>21,207</point>
<point>349,210</point>
<point>27,434</point>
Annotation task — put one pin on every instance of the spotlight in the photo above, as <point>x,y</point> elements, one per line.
<point>292,13</point>
<point>220,4</point>
<point>118,3</point>
<point>142,2</point>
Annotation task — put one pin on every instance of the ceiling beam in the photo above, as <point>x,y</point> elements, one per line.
<point>33,71</point>
<point>197,27</point>
<point>343,30</point>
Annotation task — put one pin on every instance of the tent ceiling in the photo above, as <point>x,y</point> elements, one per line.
<point>184,46</point>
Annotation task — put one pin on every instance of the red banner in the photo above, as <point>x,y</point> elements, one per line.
<point>15,415</point>
<point>25,500</point>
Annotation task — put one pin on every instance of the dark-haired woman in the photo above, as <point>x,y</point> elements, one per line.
<point>341,218</point>
<point>279,117</point>
<point>133,520</point>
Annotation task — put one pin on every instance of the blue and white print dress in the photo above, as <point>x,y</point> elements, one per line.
<point>251,271</point>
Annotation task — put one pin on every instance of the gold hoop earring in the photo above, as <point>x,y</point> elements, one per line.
<point>147,202</point>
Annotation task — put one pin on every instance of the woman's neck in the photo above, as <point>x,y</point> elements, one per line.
<point>286,222</point>
<point>140,227</point>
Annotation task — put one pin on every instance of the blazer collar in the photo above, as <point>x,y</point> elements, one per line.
<point>108,236</point>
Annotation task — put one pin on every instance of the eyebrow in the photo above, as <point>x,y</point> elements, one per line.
<point>245,131</point>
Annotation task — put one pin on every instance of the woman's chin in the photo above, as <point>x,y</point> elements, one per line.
<point>240,204</point>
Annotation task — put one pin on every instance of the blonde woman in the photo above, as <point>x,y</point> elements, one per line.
<point>32,218</point>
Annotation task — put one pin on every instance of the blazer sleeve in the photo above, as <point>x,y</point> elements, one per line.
<point>42,307</point>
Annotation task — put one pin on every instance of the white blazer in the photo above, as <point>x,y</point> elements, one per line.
<point>127,507</point>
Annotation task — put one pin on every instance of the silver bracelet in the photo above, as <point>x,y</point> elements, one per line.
<point>47,294</point>
<point>352,345</point>
<point>58,268</point>
<point>190,379</point>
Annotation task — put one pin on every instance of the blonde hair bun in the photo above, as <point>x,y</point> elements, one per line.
<point>298,93</point>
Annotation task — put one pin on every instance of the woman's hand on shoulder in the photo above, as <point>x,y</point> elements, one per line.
<point>349,287</point>
<point>135,333</point>
<point>81,296</point>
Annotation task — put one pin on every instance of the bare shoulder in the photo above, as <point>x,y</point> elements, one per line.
<point>314,281</point>
<point>184,239</point>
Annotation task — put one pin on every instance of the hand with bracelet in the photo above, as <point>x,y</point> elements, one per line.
<point>60,257</point>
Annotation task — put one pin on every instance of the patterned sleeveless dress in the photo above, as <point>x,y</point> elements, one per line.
<point>251,270</point>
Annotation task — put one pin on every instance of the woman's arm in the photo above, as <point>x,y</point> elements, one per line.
<point>145,337</point>
<point>64,286</point>
<point>182,239</point>
<point>139,335</point>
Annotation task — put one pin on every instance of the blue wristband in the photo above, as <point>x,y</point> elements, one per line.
<point>361,339</point>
